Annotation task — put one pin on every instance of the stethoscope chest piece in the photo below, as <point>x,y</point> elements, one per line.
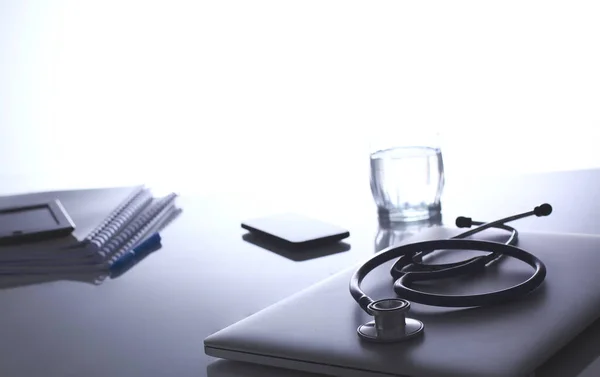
<point>390,324</point>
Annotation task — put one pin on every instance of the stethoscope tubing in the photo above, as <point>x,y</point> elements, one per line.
<point>412,255</point>
<point>402,290</point>
<point>390,322</point>
<point>474,265</point>
<point>416,262</point>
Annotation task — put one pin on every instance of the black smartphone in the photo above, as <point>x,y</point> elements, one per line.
<point>295,230</point>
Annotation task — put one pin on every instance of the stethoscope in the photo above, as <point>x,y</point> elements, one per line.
<point>390,322</point>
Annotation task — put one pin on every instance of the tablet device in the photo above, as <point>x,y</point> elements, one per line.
<point>34,222</point>
<point>295,230</point>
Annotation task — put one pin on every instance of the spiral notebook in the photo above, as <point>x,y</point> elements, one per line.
<point>93,276</point>
<point>100,237</point>
<point>95,213</point>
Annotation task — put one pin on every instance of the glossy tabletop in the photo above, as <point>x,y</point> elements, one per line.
<point>151,321</point>
<point>272,105</point>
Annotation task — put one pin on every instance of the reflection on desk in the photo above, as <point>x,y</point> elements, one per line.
<point>94,278</point>
<point>228,368</point>
<point>389,233</point>
<point>14,281</point>
<point>295,255</point>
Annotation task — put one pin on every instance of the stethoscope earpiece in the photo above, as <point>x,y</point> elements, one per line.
<point>542,210</point>
<point>390,324</point>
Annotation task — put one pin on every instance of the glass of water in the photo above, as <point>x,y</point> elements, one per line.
<point>407,177</point>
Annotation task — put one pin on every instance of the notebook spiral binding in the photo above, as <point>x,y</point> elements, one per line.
<point>165,217</point>
<point>94,233</point>
<point>136,229</point>
<point>134,207</point>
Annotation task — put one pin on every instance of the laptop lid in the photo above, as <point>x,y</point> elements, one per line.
<point>315,330</point>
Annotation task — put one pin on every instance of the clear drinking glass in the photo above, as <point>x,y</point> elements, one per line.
<point>407,177</point>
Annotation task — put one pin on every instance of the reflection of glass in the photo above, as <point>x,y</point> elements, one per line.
<point>392,233</point>
<point>407,178</point>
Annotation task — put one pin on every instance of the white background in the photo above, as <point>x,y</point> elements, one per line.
<point>229,93</point>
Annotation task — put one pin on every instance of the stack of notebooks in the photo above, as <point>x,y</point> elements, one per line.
<point>109,223</point>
